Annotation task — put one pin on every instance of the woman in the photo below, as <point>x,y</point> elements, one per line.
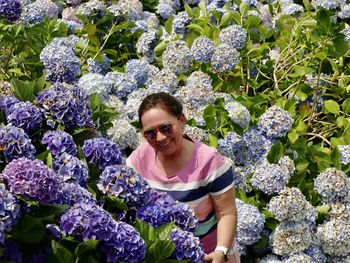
<point>188,170</point>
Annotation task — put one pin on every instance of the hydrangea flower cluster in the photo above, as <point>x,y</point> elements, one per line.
<point>345,12</point>
<point>59,142</point>
<point>333,185</point>
<point>177,57</point>
<point>6,102</point>
<point>225,58</point>
<point>9,211</point>
<point>72,193</point>
<point>49,8</point>
<point>25,115</point>
<point>165,79</point>
<point>196,133</point>
<point>102,152</point>
<point>66,103</point>
<point>275,122</point>
<point>238,113</point>
<point>61,63</point>
<point>122,182</point>
<point>329,5</point>
<point>95,82</point>
<point>11,251</point>
<point>32,179</point>
<point>234,36</point>
<point>270,258</point>
<point>344,153</point>
<point>165,9</point>
<point>291,237</point>
<point>250,223</point>
<point>288,164</point>
<point>146,43</point>
<point>15,143</point>
<point>71,169</point>
<point>5,89</point>
<point>122,85</point>
<point>291,205</point>
<point>339,211</point>
<point>180,23</point>
<point>233,147</point>
<point>257,143</point>
<point>92,7</point>
<point>32,14</point>
<point>298,257</point>
<point>202,49</point>
<point>316,253</point>
<point>10,9</point>
<point>99,67</point>
<point>138,70</point>
<point>288,7</point>
<point>187,246</point>
<point>334,237</point>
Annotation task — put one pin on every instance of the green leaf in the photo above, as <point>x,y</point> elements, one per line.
<point>323,209</point>
<point>163,232</point>
<point>226,19</point>
<point>146,231</point>
<point>160,47</point>
<point>86,247</point>
<point>244,8</point>
<point>346,105</point>
<point>332,107</point>
<point>61,254</point>
<point>112,201</point>
<point>213,140</point>
<point>335,156</point>
<point>293,136</point>
<point>341,46</point>
<point>188,10</point>
<point>168,25</point>
<point>162,249</point>
<point>300,71</point>
<point>275,153</point>
<point>95,101</point>
<point>28,230</point>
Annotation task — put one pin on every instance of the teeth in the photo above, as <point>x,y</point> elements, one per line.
<point>164,144</point>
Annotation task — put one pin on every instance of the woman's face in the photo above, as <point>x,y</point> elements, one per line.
<point>162,130</point>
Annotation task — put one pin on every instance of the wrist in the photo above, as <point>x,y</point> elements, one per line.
<point>224,250</point>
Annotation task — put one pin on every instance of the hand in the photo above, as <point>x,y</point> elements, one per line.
<point>215,257</point>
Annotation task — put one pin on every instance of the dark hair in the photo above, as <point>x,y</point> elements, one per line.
<point>162,100</point>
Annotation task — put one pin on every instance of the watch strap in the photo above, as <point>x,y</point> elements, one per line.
<point>224,250</point>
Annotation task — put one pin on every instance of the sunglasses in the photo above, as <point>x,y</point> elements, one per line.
<point>165,129</point>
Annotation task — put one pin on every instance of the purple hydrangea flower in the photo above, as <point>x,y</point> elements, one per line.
<point>25,115</point>
<point>187,246</point>
<point>15,143</point>
<point>6,102</point>
<point>97,66</point>
<point>32,179</point>
<point>234,36</point>
<point>9,211</point>
<point>10,9</point>
<point>122,182</point>
<point>102,152</point>
<point>72,193</point>
<point>71,168</point>
<point>59,142</point>
<point>138,70</point>
<point>66,103</point>
<point>202,49</point>
<point>11,252</point>
<point>225,58</point>
<point>177,57</point>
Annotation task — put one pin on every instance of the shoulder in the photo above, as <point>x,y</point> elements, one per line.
<point>140,155</point>
<point>209,156</point>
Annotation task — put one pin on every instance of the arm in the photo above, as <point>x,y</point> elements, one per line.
<point>226,213</point>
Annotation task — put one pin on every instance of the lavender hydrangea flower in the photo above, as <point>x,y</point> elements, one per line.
<point>234,36</point>
<point>180,23</point>
<point>291,237</point>
<point>71,168</point>
<point>49,8</point>
<point>344,153</point>
<point>270,178</point>
<point>94,82</point>
<point>250,223</point>
<point>102,152</point>
<point>197,133</point>
<point>316,254</point>
<point>238,113</point>
<point>333,185</point>
<point>138,70</point>
<point>9,211</point>
<point>25,115</point>
<point>122,85</point>
<point>187,246</point>
<point>73,2</point>
<point>72,193</point>
<point>122,182</point>
<point>124,134</point>
<point>202,49</point>
<point>10,9</point>
<point>15,143</point>
<point>298,257</point>
<point>165,10</point>
<point>275,122</point>
<point>329,5</point>
<point>339,211</point>
<point>125,245</point>
<point>224,58</point>
<point>66,103</point>
<point>146,43</point>
<point>6,102</point>
<point>99,67</point>
<point>59,142</point>
<point>32,179</point>
<point>291,205</point>
<point>177,57</point>
<point>334,237</point>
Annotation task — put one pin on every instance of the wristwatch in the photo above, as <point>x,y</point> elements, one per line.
<point>225,250</point>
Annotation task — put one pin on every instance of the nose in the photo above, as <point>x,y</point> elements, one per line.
<point>160,136</point>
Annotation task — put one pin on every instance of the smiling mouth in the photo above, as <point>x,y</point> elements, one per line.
<point>164,145</point>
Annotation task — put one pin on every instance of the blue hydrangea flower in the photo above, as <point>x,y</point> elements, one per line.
<point>122,182</point>
<point>125,245</point>
<point>333,185</point>
<point>290,8</point>
<point>99,67</point>
<point>15,143</point>
<point>66,103</point>
<point>234,36</point>
<point>124,134</point>
<point>10,9</point>
<point>92,8</point>
<point>49,8</point>
<point>32,179</point>
<point>71,168</point>
<point>291,204</point>
<point>329,4</point>
<point>269,178</point>
<point>165,10</point>
<point>154,214</point>
<point>344,153</point>
<point>345,12</point>
<point>291,237</point>
<point>238,113</point>
<point>122,85</point>
<point>59,142</point>
<point>138,70</point>
<point>6,102</point>
<point>334,237</point>
<point>233,147</point>
<point>177,57</point>
<point>146,43</point>
<point>180,23</point>
<point>9,211</point>
<point>25,115</point>
<point>202,49</point>
<point>346,33</point>
<point>166,79</point>
<point>316,253</point>
<point>94,82</point>
<point>187,246</point>
<point>191,2</point>
<point>250,223</point>
<point>102,152</point>
<point>225,58</point>
<point>72,193</point>
<point>275,122</point>
<point>270,258</point>
<point>298,257</point>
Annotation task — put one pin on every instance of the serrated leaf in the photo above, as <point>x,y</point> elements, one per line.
<point>146,231</point>
<point>163,232</point>
<point>162,249</point>
<point>332,107</point>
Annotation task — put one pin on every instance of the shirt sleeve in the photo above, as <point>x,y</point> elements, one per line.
<point>221,180</point>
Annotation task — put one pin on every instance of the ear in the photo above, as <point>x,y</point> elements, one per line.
<point>182,120</point>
